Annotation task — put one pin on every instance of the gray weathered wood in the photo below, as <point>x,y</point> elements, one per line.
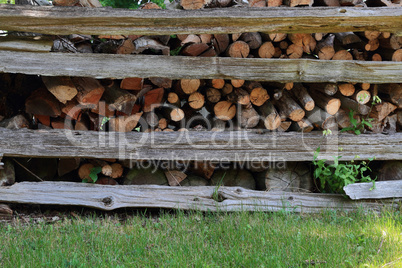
<point>383,189</point>
<point>121,66</point>
<point>68,20</point>
<point>108,197</point>
<point>14,43</point>
<point>236,146</point>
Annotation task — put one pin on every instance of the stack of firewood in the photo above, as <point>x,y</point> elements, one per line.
<point>367,46</point>
<point>160,104</point>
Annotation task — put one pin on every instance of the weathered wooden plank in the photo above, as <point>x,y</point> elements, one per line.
<point>14,43</point>
<point>238,146</point>
<point>383,189</point>
<point>121,66</point>
<point>107,197</point>
<point>68,20</point>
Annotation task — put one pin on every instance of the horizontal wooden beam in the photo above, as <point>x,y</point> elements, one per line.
<point>107,197</point>
<point>237,146</point>
<point>68,20</point>
<point>381,190</point>
<point>176,67</point>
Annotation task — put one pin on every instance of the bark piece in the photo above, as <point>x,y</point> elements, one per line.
<point>145,42</point>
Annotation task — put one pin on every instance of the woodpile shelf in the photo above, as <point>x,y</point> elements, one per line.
<point>121,66</point>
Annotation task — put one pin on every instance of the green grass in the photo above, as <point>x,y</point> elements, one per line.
<point>206,240</point>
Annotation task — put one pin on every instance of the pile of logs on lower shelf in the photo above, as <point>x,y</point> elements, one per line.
<point>160,104</point>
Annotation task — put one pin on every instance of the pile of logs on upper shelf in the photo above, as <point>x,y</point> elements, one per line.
<point>160,104</point>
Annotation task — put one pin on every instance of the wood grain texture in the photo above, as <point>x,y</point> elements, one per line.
<point>107,197</point>
<point>78,20</point>
<point>121,66</point>
<point>383,189</point>
<point>238,146</point>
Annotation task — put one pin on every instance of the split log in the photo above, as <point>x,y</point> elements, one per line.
<point>119,99</point>
<point>284,126</point>
<point>126,47</point>
<point>195,50</point>
<point>248,117</point>
<point>89,90</point>
<point>382,110</point>
<point>394,92</point>
<point>175,177</point>
<point>67,165</point>
<point>257,3</point>
<point>321,119</point>
<point>161,82</point>
<point>238,49</point>
<point>294,177</point>
<point>325,48</point>
<point>371,35</point>
<point>390,170</point>
<point>102,109</point>
<point>5,210</point>
<point>301,94</point>
<point>227,89</point>
<point>193,4</point>
<point>225,110</point>
<point>290,108</point>
<point>60,123</point>
<point>132,83</point>
<point>329,104</point>
<point>153,99</point>
<point>124,123</point>
<point>343,119</point>
<point>220,43</point>
<point>239,96</point>
<point>329,89</point>
<point>42,102</point>
<point>390,124</point>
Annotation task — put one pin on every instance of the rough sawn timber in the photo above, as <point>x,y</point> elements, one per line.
<point>237,146</point>
<point>79,20</point>
<point>383,189</point>
<point>108,197</point>
<point>121,66</point>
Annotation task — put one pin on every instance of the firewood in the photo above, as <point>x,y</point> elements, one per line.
<point>277,37</point>
<point>144,176</point>
<point>203,169</point>
<point>233,177</point>
<point>84,171</point>
<point>193,4</point>
<point>274,3</point>
<point>372,45</point>
<point>296,177</point>
<point>227,89</point>
<point>43,119</point>
<point>60,123</point>
<point>329,89</point>
<point>349,104</point>
<point>119,99</point>
<point>65,3</point>
<point>290,108</point>
<point>213,95</point>
<point>318,36</point>
<point>124,123</point>
<point>153,99</point>
<point>175,177</point>
<point>66,165</point>
<point>294,51</point>
<point>343,120</point>
<point>150,5</point>
<point>365,86</point>
<point>16,122</point>
<point>328,3</point>
<point>220,43</point>
<point>72,109</point>
<point>306,41</point>
<point>196,100</point>
<point>258,96</point>
<point>194,49</point>
<point>300,93</point>
<point>216,83</point>
<point>399,117</point>
<point>397,56</point>
<point>342,55</point>
<point>257,3</point>
<point>239,96</point>
<point>248,117</point>
<point>7,173</point>
<point>346,89</point>
<point>325,48</point>
<point>126,47</point>
<point>270,116</point>
<point>189,86</point>
<point>253,40</point>
<point>390,124</point>
<point>393,92</point>
<point>145,42</point>
<point>238,49</point>
<point>102,109</point>
<point>347,38</point>
<point>329,104</point>
<point>293,3</point>
<point>303,125</point>
<point>82,124</point>
<point>390,170</point>
<point>395,42</point>
<point>161,82</point>
<point>236,36</point>
<point>266,50</point>
<point>132,83</point>
<point>61,87</point>
<point>371,35</point>
<point>106,181</point>
<point>173,99</point>
<point>163,122</point>
<point>117,170</point>
<point>151,118</point>
<point>321,119</point>
<point>176,114</point>
<point>225,110</point>
<point>284,126</point>
<point>382,110</point>
<point>206,38</point>
<point>289,85</point>
<point>5,210</point>
<point>237,83</point>
<point>362,96</point>
<point>89,90</point>
<point>42,102</point>
<point>376,57</point>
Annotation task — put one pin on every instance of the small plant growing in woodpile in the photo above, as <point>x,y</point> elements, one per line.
<point>333,177</point>
<point>216,196</point>
<point>93,175</point>
<point>358,127</point>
